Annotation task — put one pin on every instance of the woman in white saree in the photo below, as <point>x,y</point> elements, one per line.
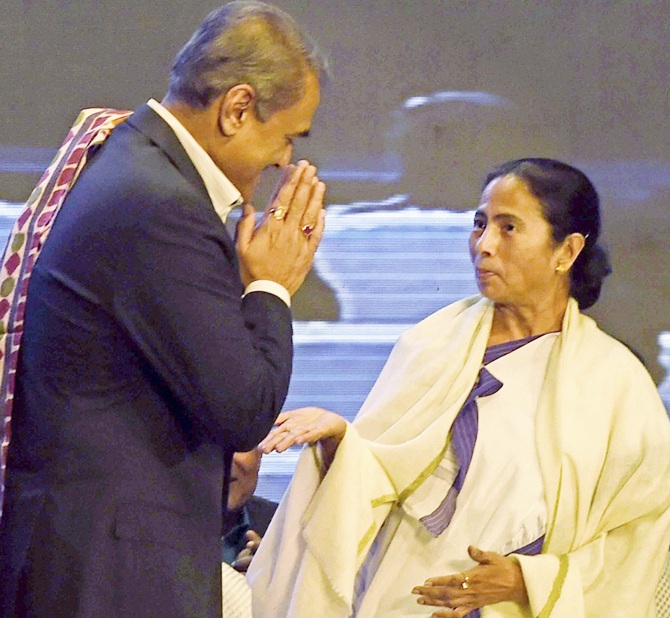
<point>511,460</point>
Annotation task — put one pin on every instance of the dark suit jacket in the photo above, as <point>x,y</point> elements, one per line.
<point>141,365</point>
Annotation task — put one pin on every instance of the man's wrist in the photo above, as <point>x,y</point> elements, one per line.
<point>271,287</point>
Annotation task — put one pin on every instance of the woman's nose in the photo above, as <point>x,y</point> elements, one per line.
<point>486,242</point>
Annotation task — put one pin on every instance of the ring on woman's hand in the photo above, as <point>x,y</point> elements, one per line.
<point>465,584</point>
<point>307,230</point>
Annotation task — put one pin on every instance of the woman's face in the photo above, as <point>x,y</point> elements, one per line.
<point>512,248</point>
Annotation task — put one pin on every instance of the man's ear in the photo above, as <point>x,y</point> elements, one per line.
<point>571,247</point>
<point>234,108</point>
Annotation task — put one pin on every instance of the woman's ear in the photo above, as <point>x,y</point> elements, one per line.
<point>571,247</point>
<point>235,107</point>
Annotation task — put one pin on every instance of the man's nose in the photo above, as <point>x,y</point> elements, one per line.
<point>286,156</point>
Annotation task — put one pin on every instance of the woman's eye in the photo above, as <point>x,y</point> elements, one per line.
<point>479,224</point>
<point>509,227</point>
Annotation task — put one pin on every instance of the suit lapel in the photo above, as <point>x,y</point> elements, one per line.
<point>150,124</point>
<point>153,127</point>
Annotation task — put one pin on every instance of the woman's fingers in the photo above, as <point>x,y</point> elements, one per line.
<point>461,612</point>
<point>495,579</point>
<point>278,439</point>
<point>452,591</point>
<point>302,426</point>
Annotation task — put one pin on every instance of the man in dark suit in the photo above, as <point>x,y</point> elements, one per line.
<point>154,346</point>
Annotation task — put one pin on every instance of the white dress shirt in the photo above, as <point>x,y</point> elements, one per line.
<point>223,193</point>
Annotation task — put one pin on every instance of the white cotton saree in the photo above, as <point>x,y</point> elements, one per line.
<point>603,440</point>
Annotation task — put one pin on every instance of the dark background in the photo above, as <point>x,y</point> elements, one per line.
<point>585,81</point>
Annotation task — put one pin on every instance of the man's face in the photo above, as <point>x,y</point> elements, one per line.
<point>259,145</point>
<point>243,478</point>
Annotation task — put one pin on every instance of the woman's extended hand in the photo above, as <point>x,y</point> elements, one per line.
<point>495,579</point>
<point>302,426</point>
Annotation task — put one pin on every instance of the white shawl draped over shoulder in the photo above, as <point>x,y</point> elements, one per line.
<point>603,440</point>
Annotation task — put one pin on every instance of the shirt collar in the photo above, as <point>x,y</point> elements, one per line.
<point>223,193</point>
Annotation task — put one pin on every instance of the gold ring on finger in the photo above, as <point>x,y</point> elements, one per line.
<point>465,584</point>
<point>307,230</point>
<point>278,213</point>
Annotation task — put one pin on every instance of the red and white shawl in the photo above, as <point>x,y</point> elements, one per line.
<point>28,236</point>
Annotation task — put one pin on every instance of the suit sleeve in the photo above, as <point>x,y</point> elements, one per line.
<point>226,361</point>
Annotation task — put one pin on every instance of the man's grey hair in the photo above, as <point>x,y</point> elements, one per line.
<point>246,42</point>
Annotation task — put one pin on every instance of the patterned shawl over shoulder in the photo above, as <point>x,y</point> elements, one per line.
<point>28,236</point>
